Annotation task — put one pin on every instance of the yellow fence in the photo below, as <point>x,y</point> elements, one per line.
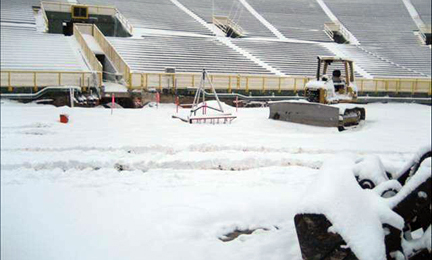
<point>118,62</point>
<point>37,79</point>
<point>91,58</point>
<point>271,83</point>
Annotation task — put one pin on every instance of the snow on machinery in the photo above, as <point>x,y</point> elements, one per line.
<point>322,94</point>
<point>385,217</point>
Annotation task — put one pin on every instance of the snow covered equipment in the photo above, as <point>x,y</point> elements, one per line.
<point>323,96</point>
<point>402,202</point>
<point>200,107</point>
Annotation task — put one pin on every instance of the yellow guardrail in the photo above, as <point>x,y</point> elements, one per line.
<point>91,58</point>
<point>92,9</point>
<point>118,62</point>
<point>236,82</point>
<point>37,79</point>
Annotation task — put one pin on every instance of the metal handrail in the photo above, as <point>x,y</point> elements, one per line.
<point>94,62</point>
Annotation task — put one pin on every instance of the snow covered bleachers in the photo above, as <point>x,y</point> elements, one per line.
<point>289,58</point>
<point>232,9</point>
<point>24,48</point>
<point>18,11</point>
<point>386,29</point>
<point>186,54</point>
<point>155,14</point>
<point>373,65</point>
<point>423,7</point>
<point>296,19</point>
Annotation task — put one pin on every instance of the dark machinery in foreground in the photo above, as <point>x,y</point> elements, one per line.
<point>323,95</point>
<point>317,243</point>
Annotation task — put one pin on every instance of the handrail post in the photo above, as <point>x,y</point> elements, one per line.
<point>229,84</point>
<point>34,82</point>
<point>173,83</point>
<point>9,81</point>
<point>398,85</point>
<point>193,80</point>
<point>280,85</point>
<point>247,84</point>
<point>430,87</point>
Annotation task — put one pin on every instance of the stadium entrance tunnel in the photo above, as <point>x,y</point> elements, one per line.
<point>60,18</point>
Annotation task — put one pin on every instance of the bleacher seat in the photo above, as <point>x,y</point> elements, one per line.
<point>187,54</point>
<point>24,48</point>
<point>155,14</point>
<point>232,9</point>
<point>296,19</point>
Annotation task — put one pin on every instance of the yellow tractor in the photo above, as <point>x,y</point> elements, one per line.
<point>323,97</point>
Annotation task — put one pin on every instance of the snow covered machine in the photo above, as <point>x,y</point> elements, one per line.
<point>324,95</point>
<point>403,231</point>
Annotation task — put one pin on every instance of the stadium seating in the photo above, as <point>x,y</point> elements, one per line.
<point>24,48</point>
<point>19,11</point>
<point>155,14</point>
<point>423,7</point>
<point>186,54</point>
<point>232,9</point>
<point>290,58</point>
<point>296,19</point>
<point>386,29</point>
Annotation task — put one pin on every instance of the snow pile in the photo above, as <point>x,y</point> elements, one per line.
<point>356,214</point>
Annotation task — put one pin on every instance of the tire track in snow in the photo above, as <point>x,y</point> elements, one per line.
<point>205,148</point>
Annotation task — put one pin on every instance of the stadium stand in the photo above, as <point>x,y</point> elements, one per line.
<point>375,66</point>
<point>386,29</point>
<point>232,9</point>
<point>24,48</point>
<point>19,11</point>
<point>186,54</point>
<point>290,58</point>
<point>155,14</point>
<point>423,7</point>
<point>296,19</point>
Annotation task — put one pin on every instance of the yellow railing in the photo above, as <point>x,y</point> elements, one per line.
<point>91,58</point>
<point>227,82</point>
<point>236,82</point>
<point>118,62</point>
<point>37,79</point>
<point>92,9</point>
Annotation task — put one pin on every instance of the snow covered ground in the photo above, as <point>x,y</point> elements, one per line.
<point>140,185</point>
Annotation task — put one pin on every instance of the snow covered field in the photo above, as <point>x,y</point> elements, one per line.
<point>140,185</point>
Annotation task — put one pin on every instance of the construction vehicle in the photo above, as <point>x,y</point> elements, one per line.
<point>407,193</point>
<point>324,96</point>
